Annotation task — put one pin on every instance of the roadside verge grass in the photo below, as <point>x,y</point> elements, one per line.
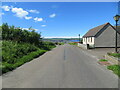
<point>103,60</point>
<point>9,67</point>
<point>73,43</point>
<point>114,54</point>
<point>115,69</point>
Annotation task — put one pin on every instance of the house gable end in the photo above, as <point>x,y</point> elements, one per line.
<point>103,29</point>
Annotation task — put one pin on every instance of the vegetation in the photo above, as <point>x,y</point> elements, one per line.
<point>115,69</point>
<point>47,45</point>
<point>59,43</point>
<point>103,60</point>
<point>19,35</point>
<point>6,66</point>
<point>20,46</point>
<point>12,51</point>
<point>114,54</point>
<point>73,43</point>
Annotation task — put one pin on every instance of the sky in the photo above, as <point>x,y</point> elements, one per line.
<point>58,19</point>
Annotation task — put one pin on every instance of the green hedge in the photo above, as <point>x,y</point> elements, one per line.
<point>12,51</point>
<point>47,45</point>
<point>15,54</point>
<point>8,67</point>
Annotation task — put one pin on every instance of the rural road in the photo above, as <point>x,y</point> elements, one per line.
<point>64,67</point>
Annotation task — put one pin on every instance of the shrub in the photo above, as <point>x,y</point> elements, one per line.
<point>11,51</point>
<point>8,67</point>
<point>47,45</point>
<point>17,34</point>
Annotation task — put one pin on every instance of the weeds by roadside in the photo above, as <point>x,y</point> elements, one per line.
<point>73,43</point>
<point>9,67</point>
<point>114,54</point>
<point>115,69</point>
<point>103,60</point>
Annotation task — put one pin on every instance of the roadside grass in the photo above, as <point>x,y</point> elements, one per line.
<point>12,51</point>
<point>114,54</point>
<point>73,43</point>
<point>9,67</point>
<point>15,54</point>
<point>115,69</point>
<point>103,60</point>
<point>59,43</point>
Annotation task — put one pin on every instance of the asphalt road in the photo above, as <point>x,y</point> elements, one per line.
<point>64,67</point>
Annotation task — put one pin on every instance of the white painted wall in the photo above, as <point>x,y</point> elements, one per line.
<point>89,40</point>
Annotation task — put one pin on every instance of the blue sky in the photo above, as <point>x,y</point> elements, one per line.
<point>60,19</point>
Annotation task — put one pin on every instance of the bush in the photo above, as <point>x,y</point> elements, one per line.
<point>47,45</point>
<point>20,46</point>
<point>9,67</point>
<point>12,51</point>
<point>17,34</point>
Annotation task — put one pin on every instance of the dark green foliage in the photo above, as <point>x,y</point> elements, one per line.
<point>20,46</point>
<point>11,51</point>
<point>46,45</point>
<point>8,67</point>
<point>115,69</point>
<point>17,34</point>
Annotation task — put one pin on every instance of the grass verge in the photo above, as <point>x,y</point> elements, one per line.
<point>114,54</point>
<point>73,43</point>
<point>9,67</point>
<point>103,60</point>
<point>115,69</point>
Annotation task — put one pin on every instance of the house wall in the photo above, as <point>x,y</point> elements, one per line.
<point>106,38</point>
<point>89,40</point>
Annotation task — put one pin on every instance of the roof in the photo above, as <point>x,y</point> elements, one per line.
<point>94,31</point>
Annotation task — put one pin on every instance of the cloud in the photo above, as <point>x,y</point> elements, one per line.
<point>34,11</point>
<point>28,17</point>
<point>19,12</point>
<point>2,14</point>
<point>52,15</point>
<point>43,25</point>
<point>6,8</point>
<point>38,19</point>
<point>29,29</point>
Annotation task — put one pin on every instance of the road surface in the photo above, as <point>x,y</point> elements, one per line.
<point>64,67</point>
